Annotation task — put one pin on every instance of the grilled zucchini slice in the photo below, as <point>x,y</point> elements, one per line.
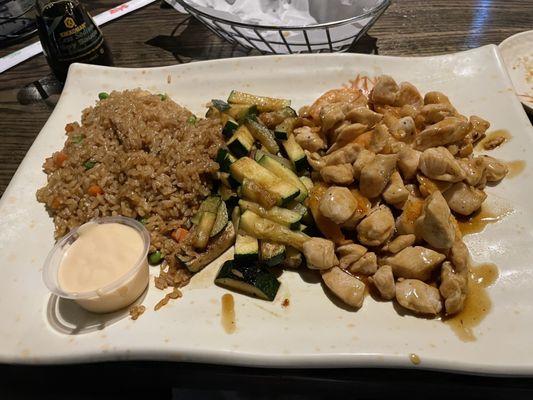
<point>295,153</point>
<point>308,183</point>
<point>283,216</point>
<point>241,142</point>
<point>285,174</point>
<point>229,125</point>
<point>220,105</point>
<point>247,168</point>
<point>262,134</point>
<point>208,217</point>
<point>271,253</point>
<point>259,154</point>
<point>266,229</point>
<point>216,246</point>
<point>248,279</point>
<point>246,249</point>
<point>285,129</point>
<point>254,192</point>
<point>263,103</point>
<point>224,159</point>
<point>240,112</point>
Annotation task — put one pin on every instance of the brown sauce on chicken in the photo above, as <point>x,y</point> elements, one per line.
<point>494,139</point>
<point>515,168</point>
<point>477,303</point>
<point>478,221</point>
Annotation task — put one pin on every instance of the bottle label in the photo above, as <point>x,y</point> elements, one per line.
<point>76,37</point>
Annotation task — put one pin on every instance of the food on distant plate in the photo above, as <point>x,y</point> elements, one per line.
<point>102,265</point>
<point>142,156</point>
<point>378,179</point>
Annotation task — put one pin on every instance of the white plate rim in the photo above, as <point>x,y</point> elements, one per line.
<point>306,361</point>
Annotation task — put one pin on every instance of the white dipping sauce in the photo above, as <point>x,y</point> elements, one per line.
<point>101,255</point>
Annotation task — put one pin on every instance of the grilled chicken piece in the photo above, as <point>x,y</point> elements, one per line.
<point>479,127</point>
<point>426,186</point>
<point>365,116</point>
<point>408,110</point>
<point>408,94</point>
<point>414,262</point>
<point>346,287</point>
<point>402,129</point>
<point>383,280</point>
<point>399,243</point>
<point>338,204</point>
<point>474,169</point>
<point>366,265</point>
<point>341,174</point>
<point>331,115</point>
<point>464,199</point>
<point>438,163</point>
<point>460,257</point>
<point>435,224</point>
<point>365,157</point>
<point>436,98</point>
<point>385,91</point>
<point>320,253</point>
<point>377,227</point>
<point>395,193</point>
<point>418,296</point>
<point>314,160</point>
<point>375,175</point>
<point>407,126</point>
<point>380,140</point>
<point>412,209</point>
<point>349,254</point>
<point>449,130</point>
<point>362,210</point>
<point>433,113</point>
<point>347,154</point>
<point>309,139</point>
<point>346,134</point>
<point>495,169</point>
<point>453,288</point>
<point>408,159</point>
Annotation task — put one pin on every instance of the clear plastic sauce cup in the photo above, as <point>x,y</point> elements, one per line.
<point>113,295</point>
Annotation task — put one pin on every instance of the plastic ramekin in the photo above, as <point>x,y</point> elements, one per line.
<point>115,295</point>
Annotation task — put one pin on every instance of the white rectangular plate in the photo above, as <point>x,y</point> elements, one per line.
<point>312,331</point>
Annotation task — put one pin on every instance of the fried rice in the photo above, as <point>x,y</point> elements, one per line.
<point>138,155</point>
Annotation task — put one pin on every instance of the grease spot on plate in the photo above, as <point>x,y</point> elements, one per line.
<point>228,313</point>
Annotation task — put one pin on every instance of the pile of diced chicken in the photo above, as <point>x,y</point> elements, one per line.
<point>391,171</point>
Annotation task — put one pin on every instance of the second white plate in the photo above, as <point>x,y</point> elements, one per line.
<point>517,53</point>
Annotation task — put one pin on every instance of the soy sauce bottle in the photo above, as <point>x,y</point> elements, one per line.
<point>68,34</point>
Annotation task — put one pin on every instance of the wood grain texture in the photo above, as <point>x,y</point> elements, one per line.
<point>155,36</point>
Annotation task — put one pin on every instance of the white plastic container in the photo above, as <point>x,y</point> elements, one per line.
<point>114,295</point>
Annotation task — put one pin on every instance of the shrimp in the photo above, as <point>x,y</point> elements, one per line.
<point>350,96</point>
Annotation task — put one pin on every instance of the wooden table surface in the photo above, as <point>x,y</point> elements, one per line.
<point>155,36</point>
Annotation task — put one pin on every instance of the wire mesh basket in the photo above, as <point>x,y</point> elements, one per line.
<point>344,26</point>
